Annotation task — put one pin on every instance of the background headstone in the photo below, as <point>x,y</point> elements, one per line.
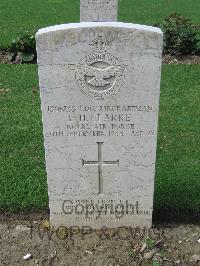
<point>98,10</point>
<point>100,85</point>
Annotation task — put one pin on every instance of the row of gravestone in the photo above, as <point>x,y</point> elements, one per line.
<point>99,87</point>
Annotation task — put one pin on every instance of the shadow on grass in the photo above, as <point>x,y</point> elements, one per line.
<point>176,216</point>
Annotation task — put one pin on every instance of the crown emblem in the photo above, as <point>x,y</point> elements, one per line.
<point>99,45</point>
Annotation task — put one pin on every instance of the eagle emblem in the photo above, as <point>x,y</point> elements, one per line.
<point>100,74</point>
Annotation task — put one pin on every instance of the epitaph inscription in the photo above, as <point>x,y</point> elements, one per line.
<point>98,10</point>
<point>99,86</point>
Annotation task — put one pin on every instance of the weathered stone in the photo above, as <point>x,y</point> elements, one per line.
<point>100,85</point>
<point>149,255</point>
<point>195,258</point>
<point>98,10</point>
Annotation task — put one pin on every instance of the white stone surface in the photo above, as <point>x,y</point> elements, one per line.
<point>98,10</point>
<point>100,85</point>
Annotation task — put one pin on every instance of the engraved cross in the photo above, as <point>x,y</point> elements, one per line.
<point>100,163</point>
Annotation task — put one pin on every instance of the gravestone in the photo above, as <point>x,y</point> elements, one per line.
<point>99,87</point>
<point>98,10</point>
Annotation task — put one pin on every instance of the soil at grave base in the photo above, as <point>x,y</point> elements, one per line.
<point>176,244</point>
<point>4,57</point>
<point>177,60</point>
<point>167,59</point>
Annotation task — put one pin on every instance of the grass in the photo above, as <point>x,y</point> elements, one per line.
<point>178,155</point>
<point>17,16</point>
<point>22,167</point>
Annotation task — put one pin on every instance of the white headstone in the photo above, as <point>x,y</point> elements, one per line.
<point>100,85</point>
<point>98,10</point>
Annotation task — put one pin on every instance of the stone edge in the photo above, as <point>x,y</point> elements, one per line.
<point>98,24</point>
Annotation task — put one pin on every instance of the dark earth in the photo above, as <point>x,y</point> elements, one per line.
<point>170,244</point>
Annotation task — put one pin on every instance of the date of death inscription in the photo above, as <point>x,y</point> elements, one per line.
<point>98,121</point>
